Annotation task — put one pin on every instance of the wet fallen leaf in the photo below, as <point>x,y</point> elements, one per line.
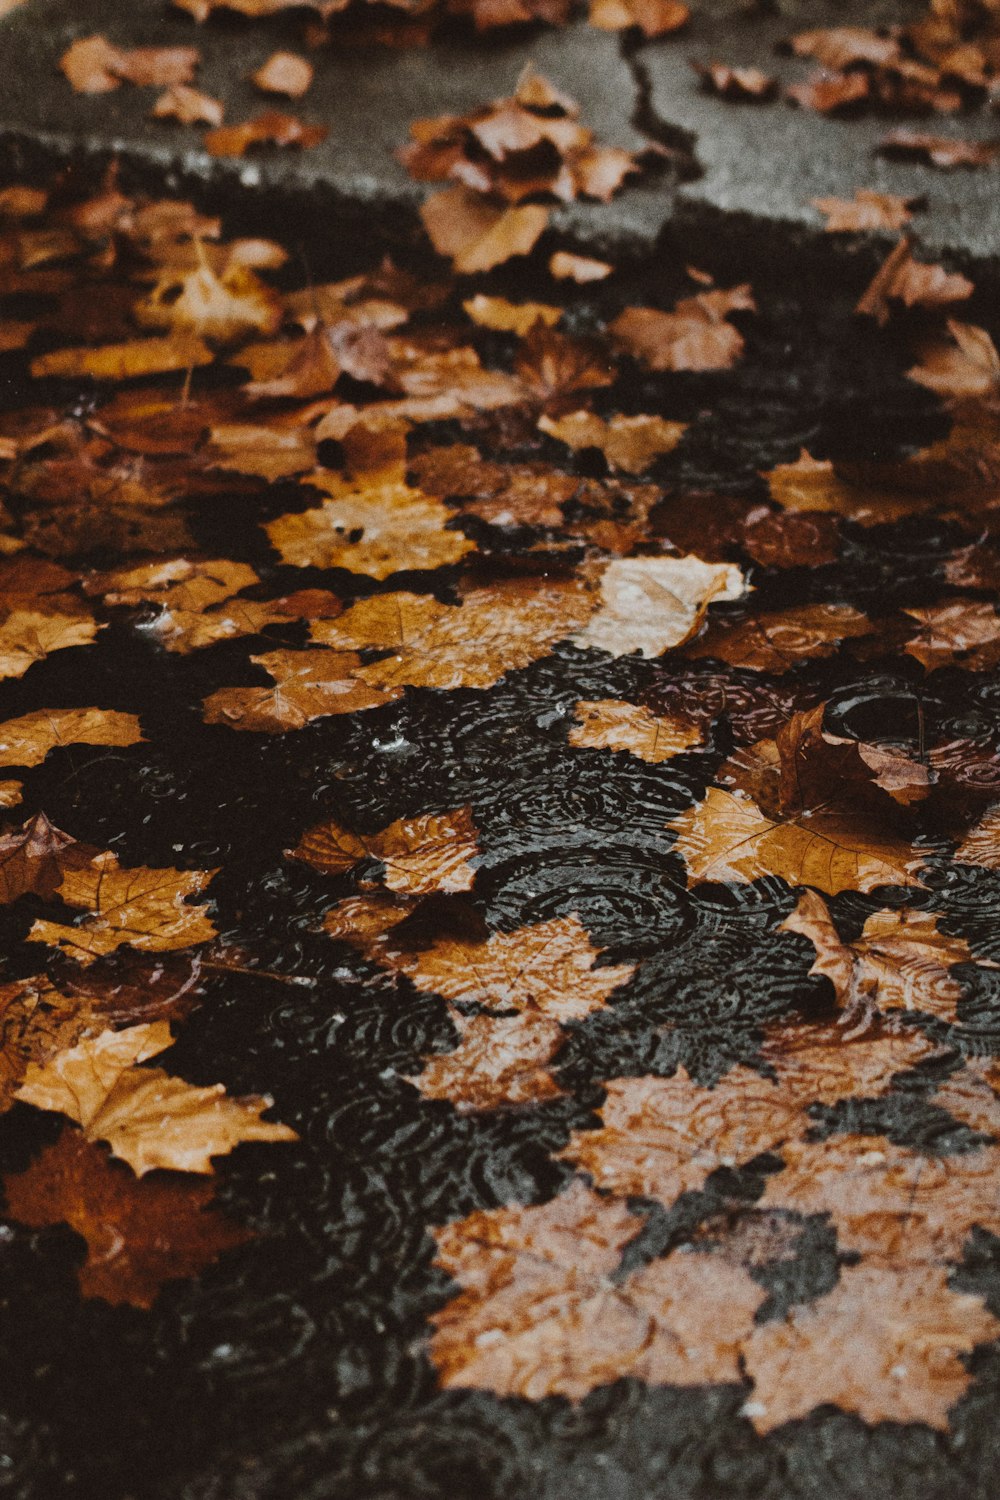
<point>775,640</point>
<point>695,336</point>
<point>811,484</point>
<point>188,106</point>
<point>477,235</point>
<point>500,1062</point>
<point>510,317</point>
<point>610,724</point>
<point>582,269</point>
<point>420,855</point>
<point>146,908</point>
<point>377,527</point>
<point>472,644</point>
<point>307,685</point>
<point>26,636</point>
<point>965,364</point>
<point>726,837</point>
<point>284,73</point>
<point>629,444</point>
<point>903,279</point>
<point>138,1237</point>
<point>736,83</point>
<point>148,1118</point>
<point>128,361</point>
<point>93,66</point>
<point>981,845</point>
<point>866,210</point>
<point>964,632</point>
<point>203,304</point>
<point>539,1315</point>
<point>937,150</point>
<point>885,1343</point>
<point>546,969</point>
<point>36,857</point>
<point>649,604</point>
<point>27,741</point>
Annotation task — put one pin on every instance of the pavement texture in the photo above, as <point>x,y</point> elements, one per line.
<point>761,162</point>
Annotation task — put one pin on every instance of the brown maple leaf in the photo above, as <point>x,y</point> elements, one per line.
<point>981,845</point>
<point>307,685</point>
<point>421,855</point>
<point>538,1314</point>
<point>493,630</point>
<point>28,636</point>
<point>146,908</point>
<point>695,336</point>
<point>900,278</point>
<point>661,1137</point>
<point>651,17</point>
<point>27,741</point>
<point>376,526</point>
<point>188,106</point>
<point>866,210</point>
<point>900,962</point>
<point>965,364</point>
<point>36,857</point>
<point>284,73</point>
<point>148,1118</point>
<point>93,66</point>
<point>125,361</point>
<point>475,234</point>
<point>964,632</point>
<point>611,724</point>
<point>546,969</point>
<point>884,1343</point>
<point>365,921</point>
<point>500,1062</point>
<point>629,444</point>
<point>727,838</point>
<point>138,1237</point>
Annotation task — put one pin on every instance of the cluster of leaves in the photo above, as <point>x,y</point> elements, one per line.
<point>361,430</point>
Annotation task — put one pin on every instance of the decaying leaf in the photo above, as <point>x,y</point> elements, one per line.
<point>697,335</point>
<point>903,279</point>
<point>148,1118</point>
<point>146,908</point>
<point>500,1062</point>
<point>775,640</point>
<point>138,1237</point>
<point>475,234</point>
<point>420,855</point>
<point>965,632</point>
<point>35,858</point>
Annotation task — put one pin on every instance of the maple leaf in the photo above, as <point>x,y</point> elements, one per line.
<point>649,604</point>
<point>477,235</point>
<point>138,1237</point>
<point>866,210</point>
<point>962,631</point>
<point>36,1021</point>
<point>971,1095</point>
<point>421,855</point>
<point>900,962</point>
<point>36,857</point>
<point>272,128</point>
<point>538,1314</point>
<point>365,921</point>
<point>378,526</point>
<point>27,636</point>
<point>546,969</point>
<point>661,1137</point>
<point>284,73</point>
<point>500,1062</point>
<point>307,685</point>
<point>565,266</point>
<point>271,452</point>
<point>510,317</point>
<point>628,443</point>
<point>893,1206</point>
<point>611,724</point>
<point>27,741</point>
<point>884,1343</point>
<point>837,47</point>
<point>695,336</point>
<point>775,640</point>
<point>812,484</point>
<point>148,1118</point>
<point>830,94</point>
<point>944,151</point>
<point>901,278</point>
<point>726,837</point>
<point>187,105</point>
<point>146,908</point>
<point>493,630</point>
<point>126,361</point>
<point>965,364</point>
<point>746,84</point>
